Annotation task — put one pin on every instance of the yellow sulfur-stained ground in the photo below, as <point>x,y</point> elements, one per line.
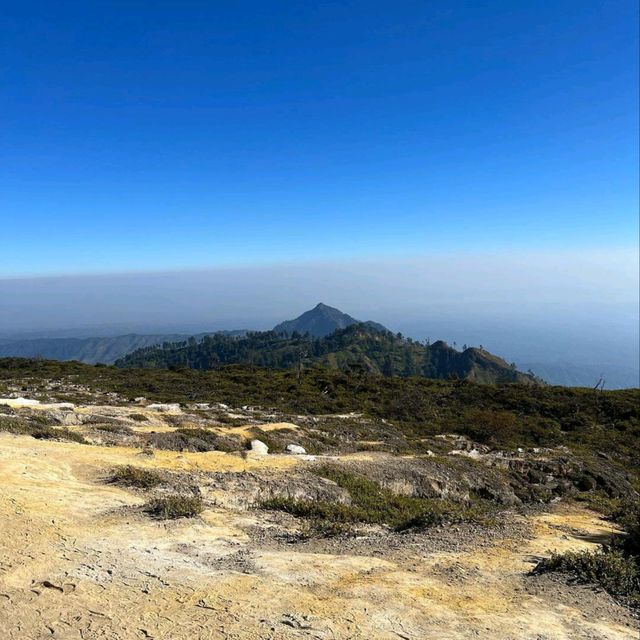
<point>79,561</point>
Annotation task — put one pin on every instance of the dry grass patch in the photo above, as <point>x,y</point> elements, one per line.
<point>175,506</point>
<point>131,476</point>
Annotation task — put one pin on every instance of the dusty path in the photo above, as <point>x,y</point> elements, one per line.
<point>78,561</point>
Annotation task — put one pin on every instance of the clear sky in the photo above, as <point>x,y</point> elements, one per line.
<point>167,135</point>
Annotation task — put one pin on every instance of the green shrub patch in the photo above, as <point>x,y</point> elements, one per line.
<point>371,504</point>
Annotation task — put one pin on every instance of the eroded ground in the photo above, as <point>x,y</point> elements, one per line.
<point>79,558</point>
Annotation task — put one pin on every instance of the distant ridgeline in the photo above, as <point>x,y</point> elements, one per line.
<point>360,347</point>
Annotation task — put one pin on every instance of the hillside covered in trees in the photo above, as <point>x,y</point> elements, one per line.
<point>359,347</point>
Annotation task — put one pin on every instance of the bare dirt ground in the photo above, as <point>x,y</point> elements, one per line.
<point>80,560</point>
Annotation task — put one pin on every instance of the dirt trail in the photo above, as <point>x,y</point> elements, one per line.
<point>78,561</point>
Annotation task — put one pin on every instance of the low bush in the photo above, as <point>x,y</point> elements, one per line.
<point>372,504</point>
<point>616,568</point>
<point>131,476</point>
<point>114,428</point>
<point>14,425</point>
<point>319,528</point>
<point>175,506</point>
<point>611,569</point>
<point>38,430</point>
<point>194,440</point>
<point>51,433</point>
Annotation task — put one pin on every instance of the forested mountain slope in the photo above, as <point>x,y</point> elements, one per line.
<point>358,347</point>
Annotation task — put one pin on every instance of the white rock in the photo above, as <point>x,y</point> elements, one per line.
<point>164,407</point>
<point>259,447</point>
<point>295,449</point>
<point>473,453</point>
<point>19,402</point>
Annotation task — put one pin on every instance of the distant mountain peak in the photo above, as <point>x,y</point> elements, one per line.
<point>321,321</point>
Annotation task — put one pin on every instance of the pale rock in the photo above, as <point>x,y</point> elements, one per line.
<point>168,407</point>
<point>259,447</point>
<point>295,449</point>
<point>16,403</point>
<point>472,453</point>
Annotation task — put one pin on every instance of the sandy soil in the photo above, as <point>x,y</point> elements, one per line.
<point>79,560</point>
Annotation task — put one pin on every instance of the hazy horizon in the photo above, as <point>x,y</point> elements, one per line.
<point>577,317</point>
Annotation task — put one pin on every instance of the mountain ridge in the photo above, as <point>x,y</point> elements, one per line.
<point>358,347</point>
<point>108,349</point>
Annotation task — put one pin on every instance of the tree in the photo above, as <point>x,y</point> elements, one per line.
<point>387,367</point>
<point>409,368</point>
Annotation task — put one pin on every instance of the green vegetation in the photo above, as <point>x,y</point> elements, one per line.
<point>360,347</point>
<point>113,428</point>
<point>39,430</point>
<point>400,412</point>
<point>612,570</point>
<point>194,440</point>
<point>139,477</point>
<point>175,506</point>
<point>371,504</point>
<point>53,433</point>
<point>616,568</point>
<point>318,528</point>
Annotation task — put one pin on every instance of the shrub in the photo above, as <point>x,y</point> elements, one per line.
<point>39,431</point>
<point>138,417</point>
<point>616,573</point>
<point>194,440</point>
<point>213,441</point>
<point>113,428</point>
<point>487,426</point>
<point>131,476</point>
<point>14,425</point>
<point>51,433</point>
<point>627,515</point>
<point>175,506</point>
<point>372,504</point>
<point>318,528</point>
<point>616,568</point>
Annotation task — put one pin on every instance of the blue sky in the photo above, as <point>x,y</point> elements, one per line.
<point>168,135</point>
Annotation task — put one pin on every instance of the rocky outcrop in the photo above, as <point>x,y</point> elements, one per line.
<point>493,476</point>
<point>248,489</point>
